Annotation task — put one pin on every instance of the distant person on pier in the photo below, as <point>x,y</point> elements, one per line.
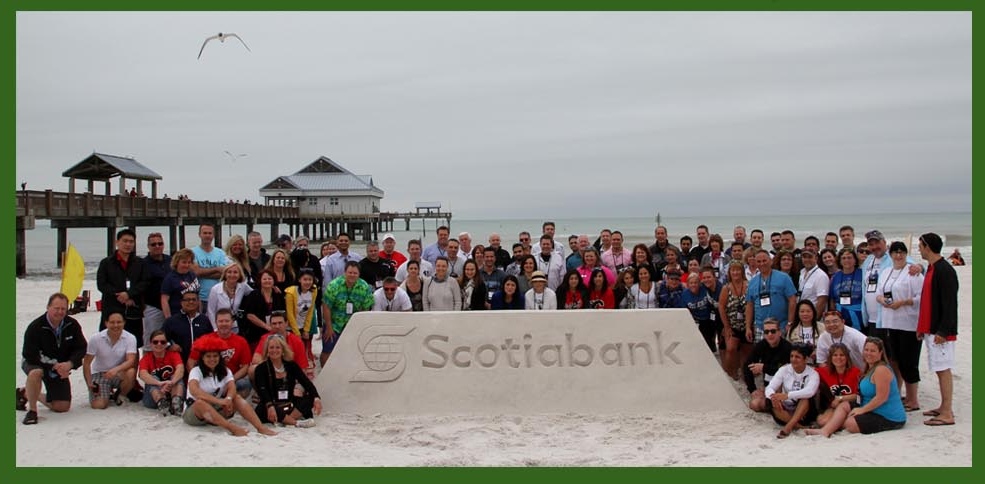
<point>209,261</point>
<point>333,266</point>
<point>157,264</point>
<point>302,258</point>
<point>257,256</point>
<point>133,192</point>
<point>390,253</point>
<point>123,280</point>
<point>439,248</point>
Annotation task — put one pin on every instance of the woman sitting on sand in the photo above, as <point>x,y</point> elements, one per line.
<point>839,390</point>
<point>212,392</point>
<point>162,373</point>
<point>275,380</point>
<point>508,296</point>
<point>881,408</point>
<point>791,391</point>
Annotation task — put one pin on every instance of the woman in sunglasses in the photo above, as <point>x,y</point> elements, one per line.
<point>162,373</point>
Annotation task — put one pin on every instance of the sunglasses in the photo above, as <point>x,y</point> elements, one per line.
<point>159,342</point>
<point>156,244</point>
<point>770,331</point>
<point>388,289</point>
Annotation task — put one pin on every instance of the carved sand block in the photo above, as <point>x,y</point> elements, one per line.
<point>524,362</point>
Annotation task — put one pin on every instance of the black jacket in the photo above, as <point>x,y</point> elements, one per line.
<point>771,358</point>
<point>42,348</point>
<point>111,278</point>
<point>943,300</point>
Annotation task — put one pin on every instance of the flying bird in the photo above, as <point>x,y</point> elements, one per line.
<point>222,38</point>
<point>233,157</point>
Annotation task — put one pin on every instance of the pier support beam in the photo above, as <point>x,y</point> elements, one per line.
<point>173,238</point>
<point>21,261</point>
<point>181,236</point>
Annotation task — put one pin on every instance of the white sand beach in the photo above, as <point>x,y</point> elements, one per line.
<point>132,435</point>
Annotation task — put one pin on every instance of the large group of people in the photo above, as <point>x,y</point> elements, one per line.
<point>833,334</point>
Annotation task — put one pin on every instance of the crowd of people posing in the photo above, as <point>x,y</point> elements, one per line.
<point>221,325</point>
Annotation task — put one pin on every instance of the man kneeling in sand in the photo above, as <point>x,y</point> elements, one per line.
<point>53,346</point>
<point>110,364</point>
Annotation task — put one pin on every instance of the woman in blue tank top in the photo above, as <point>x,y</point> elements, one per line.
<point>881,407</point>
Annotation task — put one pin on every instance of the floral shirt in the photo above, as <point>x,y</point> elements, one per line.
<point>338,296</point>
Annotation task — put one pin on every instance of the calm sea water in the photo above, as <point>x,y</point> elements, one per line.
<point>954,227</point>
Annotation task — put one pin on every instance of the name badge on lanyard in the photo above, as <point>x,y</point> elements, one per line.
<point>348,308</point>
<point>888,296</point>
<point>845,298</point>
<point>282,395</point>
<point>764,299</point>
<point>870,287</point>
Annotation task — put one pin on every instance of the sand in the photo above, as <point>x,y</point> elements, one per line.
<point>722,438</point>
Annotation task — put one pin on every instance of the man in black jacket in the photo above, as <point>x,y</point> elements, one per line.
<point>122,280</point>
<point>938,323</point>
<point>53,346</point>
<point>769,354</point>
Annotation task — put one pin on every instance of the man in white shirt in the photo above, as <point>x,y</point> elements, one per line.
<point>391,297</point>
<point>550,262</point>
<point>414,253</point>
<point>837,332</point>
<point>110,363</point>
<point>813,282</point>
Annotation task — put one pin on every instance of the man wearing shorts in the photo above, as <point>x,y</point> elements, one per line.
<point>938,323</point>
<point>110,363</point>
<point>53,346</point>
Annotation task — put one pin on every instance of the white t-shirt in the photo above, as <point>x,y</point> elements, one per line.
<point>644,299</point>
<point>400,302</point>
<point>210,384</point>
<point>903,286</point>
<point>108,355</point>
<point>851,337</point>
<point>813,284</point>
<point>797,386</point>
<point>540,302</point>
<point>427,270</point>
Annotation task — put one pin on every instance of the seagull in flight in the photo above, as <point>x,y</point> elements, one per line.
<point>222,38</point>
<point>233,157</point>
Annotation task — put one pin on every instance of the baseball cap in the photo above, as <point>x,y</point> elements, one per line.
<point>874,234</point>
<point>389,237</point>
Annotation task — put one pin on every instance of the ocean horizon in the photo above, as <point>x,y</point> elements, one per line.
<point>954,227</point>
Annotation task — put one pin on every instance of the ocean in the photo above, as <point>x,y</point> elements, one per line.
<point>955,228</point>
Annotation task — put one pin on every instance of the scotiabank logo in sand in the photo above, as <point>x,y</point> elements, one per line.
<point>382,348</point>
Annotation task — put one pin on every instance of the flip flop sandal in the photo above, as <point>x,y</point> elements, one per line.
<point>910,409</point>
<point>936,422</point>
<point>931,413</point>
<point>783,434</point>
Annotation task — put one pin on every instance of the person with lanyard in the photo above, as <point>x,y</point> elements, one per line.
<point>716,258</point>
<point>540,297</point>
<point>343,297</point>
<point>552,267</point>
<point>645,291</point>
<point>847,289</point>
<point>771,294</point>
<point>814,283</point>
<point>333,266</point>
<point>701,305</point>
<point>876,263</point>
<point>439,248</point>
<point>474,292</point>
<point>373,268</point>
<point>188,325</point>
<point>899,296</point>
<point>836,331</point>
<point>617,257</point>
<point>714,287</point>
<point>732,306</point>
<point>391,297</point>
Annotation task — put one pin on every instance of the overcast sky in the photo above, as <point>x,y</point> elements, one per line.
<point>516,115</point>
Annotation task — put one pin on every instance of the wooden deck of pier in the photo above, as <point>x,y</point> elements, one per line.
<point>87,210</point>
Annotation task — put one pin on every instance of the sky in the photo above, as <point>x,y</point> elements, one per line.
<point>516,115</point>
